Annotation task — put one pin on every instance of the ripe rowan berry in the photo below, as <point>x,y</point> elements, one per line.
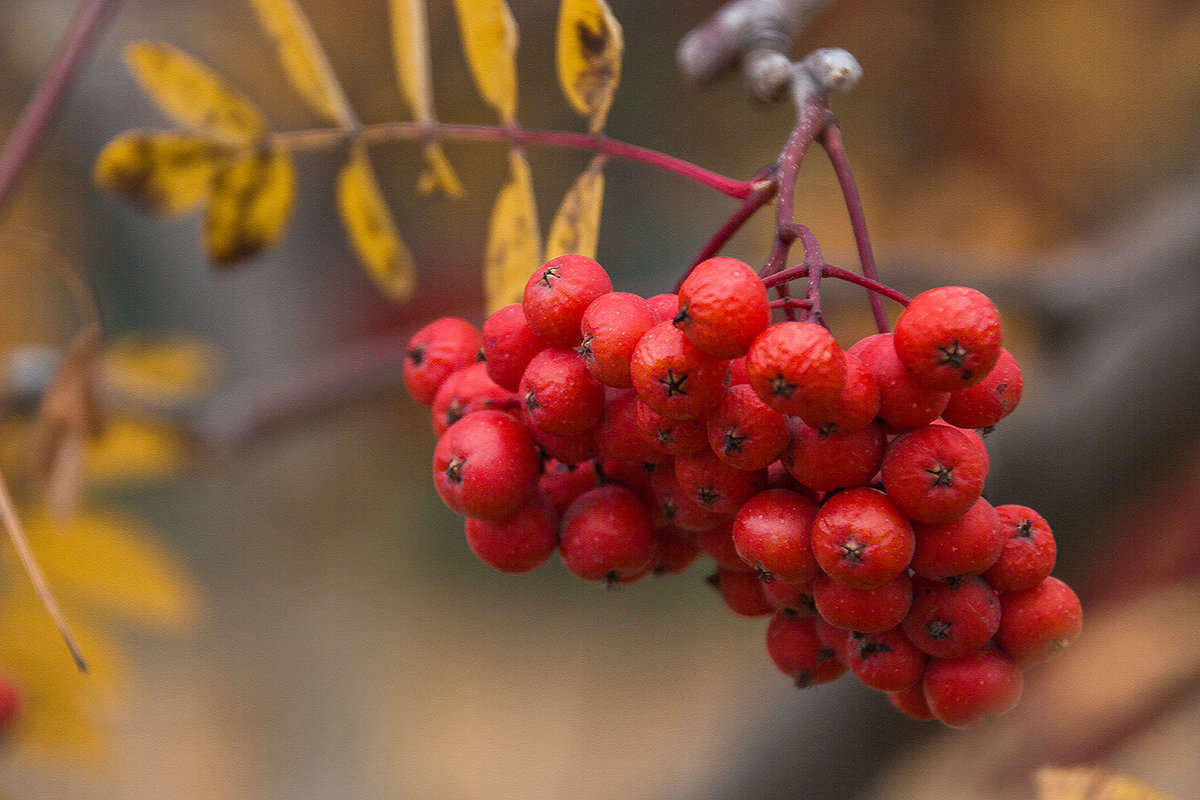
<point>963,690</point>
<point>1038,623</point>
<point>509,344</point>
<point>911,703</point>
<point>935,474</point>
<point>865,610</point>
<point>795,367</point>
<point>904,402</point>
<point>855,407</point>
<point>673,376</point>
<point>794,597</point>
<point>558,393</point>
<point>885,660</point>
<point>970,543</point>
<point>950,618</point>
<point>440,348</point>
<point>575,448</point>
<point>485,465</point>
<point>771,532</point>
<point>990,400</point>
<point>861,539</point>
<point>723,306</point>
<point>745,432</point>
<point>742,592</point>
<point>795,648</point>
<point>676,551</point>
<point>665,306</point>
<point>675,505</point>
<point>607,534</point>
<point>715,485</point>
<point>824,462</point>
<point>618,435</point>
<point>949,337</point>
<point>520,542</point>
<point>558,293</point>
<point>1029,551</point>
<point>611,326</point>
<point>467,390</point>
<point>562,481</point>
<point>672,436</point>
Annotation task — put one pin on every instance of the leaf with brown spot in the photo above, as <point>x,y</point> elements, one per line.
<point>371,230</point>
<point>166,173</point>
<point>513,241</point>
<point>576,225</point>
<point>249,206</point>
<point>589,51</point>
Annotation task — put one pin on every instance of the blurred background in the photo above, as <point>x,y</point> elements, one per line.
<point>307,621</point>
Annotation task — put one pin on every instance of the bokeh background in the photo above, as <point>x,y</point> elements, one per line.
<point>348,644</point>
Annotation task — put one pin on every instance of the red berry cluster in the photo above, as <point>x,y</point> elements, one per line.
<point>838,491</point>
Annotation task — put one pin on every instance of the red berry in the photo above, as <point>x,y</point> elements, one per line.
<point>509,344</point>
<point>911,702</point>
<point>716,486</point>
<point>440,348</point>
<point>962,691</point>
<point>468,390</point>
<point>949,337</point>
<point>485,465</point>
<point>886,660</point>
<point>673,376</point>
<point>970,543</point>
<point>935,474</point>
<point>558,293</point>
<point>745,432</point>
<point>861,539</point>
<point>742,592</point>
<point>795,597</point>
<point>665,306</point>
<point>855,407</point>
<point>799,653</point>
<point>824,462</point>
<point>723,305</point>
<point>717,543</point>
<point>563,482</point>
<point>676,505</point>
<point>559,394</point>
<point>618,435</point>
<point>771,533</point>
<point>677,550</point>
<point>904,403</point>
<point>672,436</point>
<point>573,448</point>
<point>519,542</point>
<point>951,618</point>
<point>607,534</point>
<point>990,400</point>
<point>1039,623</point>
<point>865,610</point>
<point>795,367</point>
<point>1029,550</point>
<point>611,327</point>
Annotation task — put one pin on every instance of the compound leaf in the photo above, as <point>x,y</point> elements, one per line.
<point>371,230</point>
<point>576,225</point>
<point>249,205</point>
<point>513,241</point>
<point>589,48</point>
<point>166,173</point>
<point>191,94</point>
<point>304,60</point>
<point>489,35</point>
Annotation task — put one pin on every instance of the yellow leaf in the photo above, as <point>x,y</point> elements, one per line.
<point>513,241</point>
<point>438,176</point>
<point>160,370</point>
<point>192,95</point>
<point>134,450</point>
<point>61,709</point>
<point>167,173</point>
<point>489,35</point>
<point>249,205</point>
<point>371,230</point>
<point>576,226</point>
<point>304,59</point>
<point>109,564</point>
<point>1090,783</point>
<point>589,57</point>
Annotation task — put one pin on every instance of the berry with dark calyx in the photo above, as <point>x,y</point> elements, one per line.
<point>520,542</point>
<point>618,435</point>
<point>771,532</point>
<point>563,482</point>
<point>796,366</point>
<point>1029,551</point>
<point>963,690</point>
<point>558,393</point>
<point>951,618</point>
<point>715,485</point>
<point>741,592</point>
<point>672,436</point>
<point>824,462</point>
<point>1037,624</point>
<point>949,337</point>
<point>723,306</point>
<point>935,474</point>
<point>468,390</point>
<point>558,293</point>
<point>611,327</point>
<point>442,347</point>
<point>861,539</point>
<point>795,597</point>
<point>673,376</point>
<point>989,401</point>
<point>855,407</point>
<point>865,610</point>
<point>485,465</point>
<point>798,652</point>
<point>745,432</point>
<point>509,344</point>
<point>904,402</point>
<point>607,534</point>
<point>675,505</point>
<point>970,543</point>
<point>886,660</point>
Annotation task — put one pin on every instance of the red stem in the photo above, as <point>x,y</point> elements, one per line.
<point>779,279</point>
<point>85,27</point>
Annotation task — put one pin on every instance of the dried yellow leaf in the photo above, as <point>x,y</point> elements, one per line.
<point>576,225</point>
<point>1091,783</point>
<point>410,50</point>
<point>371,230</point>
<point>192,95</point>
<point>438,177</point>
<point>249,205</point>
<point>589,49</point>
<point>304,60</point>
<point>166,173</point>
<point>489,34</point>
<point>513,242</point>
<point>111,564</point>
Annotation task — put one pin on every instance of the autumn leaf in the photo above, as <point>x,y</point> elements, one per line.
<point>513,241</point>
<point>438,177</point>
<point>133,450</point>
<point>304,60</point>
<point>249,205</point>
<point>1091,783</point>
<point>159,370</point>
<point>489,35</point>
<point>576,225</point>
<point>589,48</point>
<point>370,228</point>
<point>192,95</point>
<point>166,173</point>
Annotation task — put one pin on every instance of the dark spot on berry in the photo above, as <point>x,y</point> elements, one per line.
<point>734,441</point>
<point>953,356</point>
<point>869,647</point>
<point>714,580</point>
<point>942,475</point>
<point>665,435</point>
<point>416,354</point>
<point>803,679</point>
<point>531,401</point>
<point>826,430</point>
<point>480,356</point>
<point>670,508</point>
<point>673,383</point>
<point>707,496</point>
<point>585,348</point>
<point>781,387</point>
<point>454,469</point>
<point>456,411</point>
<point>681,317</point>
<point>1025,528</point>
<point>938,629</point>
<point>825,653</point>
<point>549,276</point>
<point>852,551</point>
<point>764,575</point>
